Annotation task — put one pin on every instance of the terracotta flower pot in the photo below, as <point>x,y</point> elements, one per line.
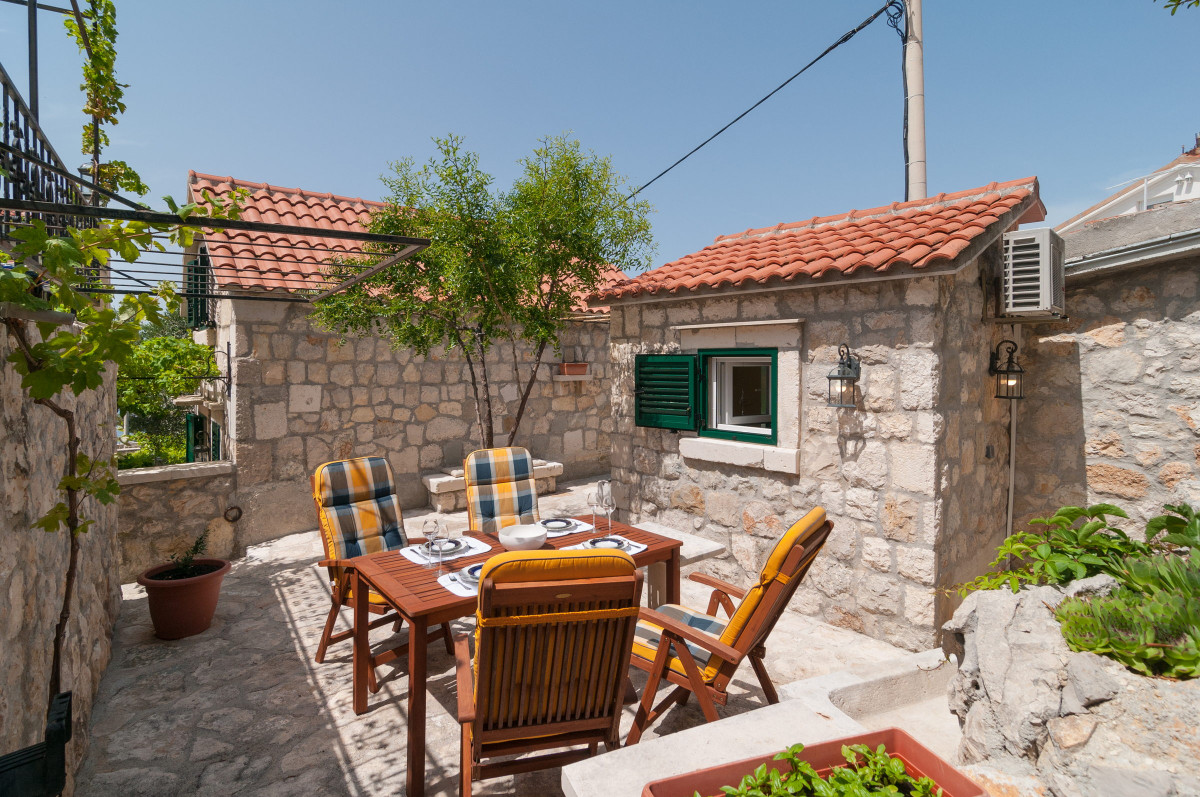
<point>183,607</point>
<point>919,760</point>
<point>572,369</point>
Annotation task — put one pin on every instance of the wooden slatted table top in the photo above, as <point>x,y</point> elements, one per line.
<point>413,588</point>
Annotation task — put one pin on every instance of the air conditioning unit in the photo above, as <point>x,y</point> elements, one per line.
<point>1032,283</point>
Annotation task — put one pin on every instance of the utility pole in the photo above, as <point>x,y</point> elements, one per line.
<point>914,79</point>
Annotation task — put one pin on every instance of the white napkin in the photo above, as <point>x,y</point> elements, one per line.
<point>634,547</point>
<point>579,526</point>
<point>413,553</point>
<point>450,581</point>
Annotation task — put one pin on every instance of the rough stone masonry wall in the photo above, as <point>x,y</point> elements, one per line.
<point>880,471</point>
<point>33,564</point>
<point>301,399</point>
<point>1112,412</point>
<point>974,466</point>
<point>163,511</point>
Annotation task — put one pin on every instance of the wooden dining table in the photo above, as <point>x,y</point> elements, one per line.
<point>414,592</point>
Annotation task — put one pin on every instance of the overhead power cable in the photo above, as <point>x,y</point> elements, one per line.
<point>847,36</point>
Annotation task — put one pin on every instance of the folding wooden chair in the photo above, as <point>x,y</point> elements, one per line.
<point>501,490</point>
<point>552,641</point>
<point>699,652</point>
<point>359,514</point>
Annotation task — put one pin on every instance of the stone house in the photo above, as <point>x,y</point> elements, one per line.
<point>1113,413</point>
<point>299,396</point>
<point>915,476</point>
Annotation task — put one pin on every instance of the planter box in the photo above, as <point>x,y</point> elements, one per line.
<point>572,369</point>
<point>918,760</point>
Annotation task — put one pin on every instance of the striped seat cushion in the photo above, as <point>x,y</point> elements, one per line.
<point>359,510</point>
<point>500,489</point>
<point>648,635</point>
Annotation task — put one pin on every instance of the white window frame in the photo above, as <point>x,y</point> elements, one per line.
<point>720,396</point>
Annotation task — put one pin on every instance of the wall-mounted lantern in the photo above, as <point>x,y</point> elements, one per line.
<point>843,378</point>
<point>1008,374</point>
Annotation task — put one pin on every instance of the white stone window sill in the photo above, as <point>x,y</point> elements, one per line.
<point>745,455</point>
<point>166,473</point>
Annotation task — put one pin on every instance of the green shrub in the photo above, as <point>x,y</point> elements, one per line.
<point>1075,542</point>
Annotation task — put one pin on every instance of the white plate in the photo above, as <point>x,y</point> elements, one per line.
<point>558,524</point>
<point>444,547</point>
<point>470,573</point>
<point>607,543</point>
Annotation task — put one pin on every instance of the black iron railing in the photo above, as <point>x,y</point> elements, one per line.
<point>31,169</point>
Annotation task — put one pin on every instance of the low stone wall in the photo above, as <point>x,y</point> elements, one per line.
<point>1061,723</point>
<point>33,564</point>
<point>163,510</point>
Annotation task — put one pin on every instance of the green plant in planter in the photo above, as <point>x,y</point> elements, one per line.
<point>184,561</point>
<point>867,773</point>
<point>1076,542</point>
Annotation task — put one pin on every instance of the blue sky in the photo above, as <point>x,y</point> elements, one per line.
<point>323,95</point>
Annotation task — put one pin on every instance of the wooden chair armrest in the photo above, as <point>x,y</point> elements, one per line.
<point>330,563</point>
<point>689,634</point>
<point>718,584</point>
<point>465,678</point>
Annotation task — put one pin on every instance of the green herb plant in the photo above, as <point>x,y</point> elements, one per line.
<point>184,561</point>
<point>1075,542</point>
<point>867,773</point>
<point>1181,524</point>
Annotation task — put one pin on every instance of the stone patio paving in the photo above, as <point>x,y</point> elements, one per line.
<point>243,709</point>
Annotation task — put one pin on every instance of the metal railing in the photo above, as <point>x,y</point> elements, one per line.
<point>32,170</point>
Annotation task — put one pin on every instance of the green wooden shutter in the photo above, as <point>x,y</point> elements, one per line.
<point>191,436</point>
<point>665,391</point>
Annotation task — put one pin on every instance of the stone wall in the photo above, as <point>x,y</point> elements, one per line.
<point>905,478</point>
<point>33,564</point>
<point>1112,412</point>
<point>301,398</point>
<point>163,511</point>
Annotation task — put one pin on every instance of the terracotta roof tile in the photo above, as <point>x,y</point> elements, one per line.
<point>251,260</point>
<point>912,235</point>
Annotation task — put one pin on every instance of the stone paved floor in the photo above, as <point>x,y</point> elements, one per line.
<point>242,708</point>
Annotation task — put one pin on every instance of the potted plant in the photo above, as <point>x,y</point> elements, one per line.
<point>868,763</point>
<point>183,593</point>
<point>575,367</point>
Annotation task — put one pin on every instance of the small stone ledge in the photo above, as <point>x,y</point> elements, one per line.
<point>745,455</point>
<point>166,473</point>
<point>448,489</point>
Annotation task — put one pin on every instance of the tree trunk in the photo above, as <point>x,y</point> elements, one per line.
<point>485,430</point>
<point>487,391</point>
<point>537,362</point>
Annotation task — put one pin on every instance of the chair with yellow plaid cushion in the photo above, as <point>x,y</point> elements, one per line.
<point>699,652</point>
<point>552,639</point>
<point>501,490</point>
<point>359,514</point>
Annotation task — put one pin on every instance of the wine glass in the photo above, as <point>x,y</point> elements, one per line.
<point>432,529</point>
<point>608,502</point>
<point>596,503</point>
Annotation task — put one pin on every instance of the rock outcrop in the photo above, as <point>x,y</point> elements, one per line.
<point>1078,724</point>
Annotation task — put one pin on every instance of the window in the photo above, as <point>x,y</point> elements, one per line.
<point>725,393</point>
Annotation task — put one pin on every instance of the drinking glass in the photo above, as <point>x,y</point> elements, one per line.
<point>610,504</point>
<point>596,503</point>
<point>432,529</point>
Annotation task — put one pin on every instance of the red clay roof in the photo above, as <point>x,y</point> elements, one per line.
<point>917,234</point>
<point>245,260</point>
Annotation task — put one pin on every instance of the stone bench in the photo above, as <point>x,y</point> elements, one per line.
<point>448,489</point>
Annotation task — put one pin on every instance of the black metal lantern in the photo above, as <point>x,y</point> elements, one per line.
<point>843,378</point>
<point>1008,374</point>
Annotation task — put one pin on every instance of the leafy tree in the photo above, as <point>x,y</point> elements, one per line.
<point>503,269</point>
<point>1175,5</point>
<point>158,370</point>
